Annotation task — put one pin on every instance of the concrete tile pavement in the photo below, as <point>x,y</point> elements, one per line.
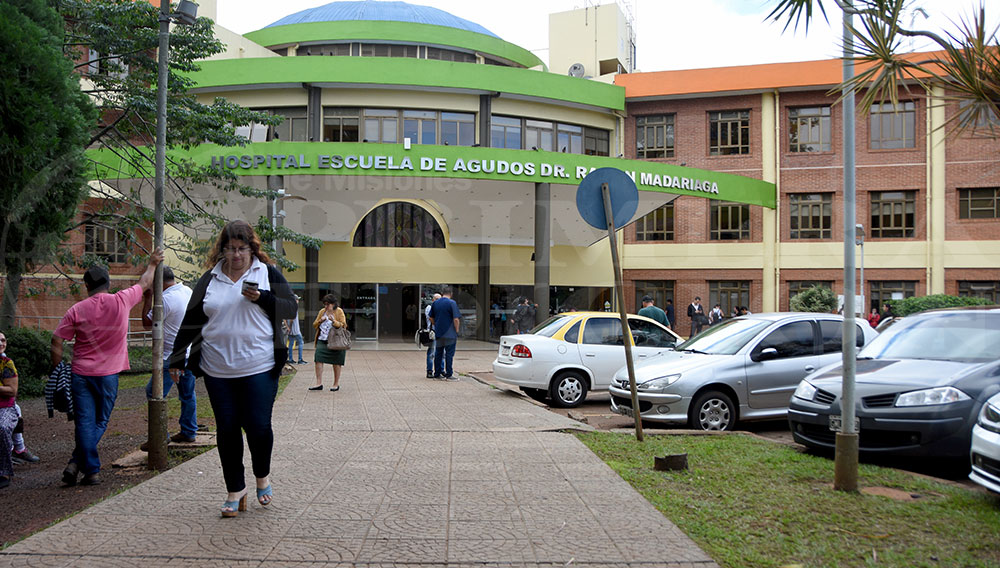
<point>392,470</point>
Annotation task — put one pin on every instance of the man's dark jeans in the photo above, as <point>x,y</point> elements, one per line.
<point>93,400</point>
<point>444,354</point>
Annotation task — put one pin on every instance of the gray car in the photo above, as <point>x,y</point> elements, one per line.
<point>745,368</point>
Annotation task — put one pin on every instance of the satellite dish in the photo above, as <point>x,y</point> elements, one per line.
<point>576,70</point>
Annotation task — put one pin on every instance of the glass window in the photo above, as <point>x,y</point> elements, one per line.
<point>989,290</point>
<point>505,132</point>
<point>729,132</point>
<point>341,124</point>
<point>729,221</point>
<point>654,136</point>
<point>381,125</point>
<point>399,224</point>
<point>979,203</point>
<point>811,215</point>
<point>596,142</point>
<point>450,55</point>
<point>832,333</point>
<point>657,225</point>
<point>420,126</point>
<point>884,290</point>
<point>648,334</point>
<point>797,286</point>
<point>458,129</point>
<point>728,294</point>
<point>809,129</point>
<point>569,139</point>
<point>572,335</point>
<point>539,135</point>
<point>104,241</point>
<point>893,126</point>
<point>893,214</point>
<point>293,128</point>
<point>659,290</point>
<point>979,116</point>
<point>603,331</point>
<point>790,340</point>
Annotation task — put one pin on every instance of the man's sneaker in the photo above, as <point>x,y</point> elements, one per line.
<point>451,378</point>
<point>91,479</point>
<point>301,362</point>
<point>69,474</point>
<point>181,438</point>
<point>24,457</point>
<point>430,374</point>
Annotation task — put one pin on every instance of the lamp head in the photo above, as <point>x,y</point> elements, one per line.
<point>187,12</point>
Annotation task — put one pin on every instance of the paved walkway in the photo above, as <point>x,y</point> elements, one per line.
<point>392,470</point>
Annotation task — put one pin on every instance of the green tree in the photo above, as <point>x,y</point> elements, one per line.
<point>44,126</point>
<point>814,299</point>
<point>967,62</point>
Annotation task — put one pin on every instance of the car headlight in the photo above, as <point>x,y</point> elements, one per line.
<point>658,383</point>
<point>805,391</point>
<point>929,397</point>
<point>989,418</point>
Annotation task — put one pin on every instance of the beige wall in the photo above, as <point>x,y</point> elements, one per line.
<point>588,36</point>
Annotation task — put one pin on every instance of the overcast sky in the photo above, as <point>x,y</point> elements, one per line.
<point>671,34</point>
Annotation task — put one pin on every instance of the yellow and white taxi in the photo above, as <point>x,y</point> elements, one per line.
<point>572,353</point>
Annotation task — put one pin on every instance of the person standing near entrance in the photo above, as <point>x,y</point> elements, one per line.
<point>524,316</point>
<point>669,309</point>
<point>331,316</point>
<point>652,312</point>
<point>294,336</point>
<point>99,324</point>
<point>432,347</point>
<point>445,319</point>
<point>697,314</point>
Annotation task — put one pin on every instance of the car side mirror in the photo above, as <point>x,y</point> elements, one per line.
<point>765,354</point>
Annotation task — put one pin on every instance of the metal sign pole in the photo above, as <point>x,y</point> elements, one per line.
<point>620,293</point>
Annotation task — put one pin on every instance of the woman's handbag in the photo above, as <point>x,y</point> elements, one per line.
<point>426,337</point>
<point>339,339</point>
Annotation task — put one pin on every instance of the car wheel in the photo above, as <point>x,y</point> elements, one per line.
<point>535,394</point>
<point>713,410</point>
<point>568,389</point>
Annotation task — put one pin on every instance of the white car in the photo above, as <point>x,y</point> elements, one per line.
<point>986,446</point>
<point>575,352</point>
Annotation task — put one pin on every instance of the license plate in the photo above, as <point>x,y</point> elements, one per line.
<point>505,350</point>
<point>836,422</point>
<point>626,411</point>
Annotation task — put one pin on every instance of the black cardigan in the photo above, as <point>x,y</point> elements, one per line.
<point>278,303</point>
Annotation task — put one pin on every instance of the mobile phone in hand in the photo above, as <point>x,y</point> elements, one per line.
<point>249,285</point>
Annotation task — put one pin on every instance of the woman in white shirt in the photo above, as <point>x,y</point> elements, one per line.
<point>233,326</point>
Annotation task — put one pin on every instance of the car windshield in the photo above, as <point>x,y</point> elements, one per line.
<point>957,336</point>
<point>726,338</point>
<point>549,327</point>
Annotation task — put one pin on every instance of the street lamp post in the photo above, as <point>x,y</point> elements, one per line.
<point>859,239</point>
<point>187,13</point>
<point>278,213</point>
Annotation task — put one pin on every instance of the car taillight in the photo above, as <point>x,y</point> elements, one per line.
<point>521,351</point>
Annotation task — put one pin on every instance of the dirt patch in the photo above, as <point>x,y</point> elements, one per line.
<point>36,497</point>
<point>896,493</point>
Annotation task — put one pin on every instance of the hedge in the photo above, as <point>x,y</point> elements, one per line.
<point>909,306</point>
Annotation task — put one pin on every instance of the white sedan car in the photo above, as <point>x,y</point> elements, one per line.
<point>575,352</point>
<point>986,446</point>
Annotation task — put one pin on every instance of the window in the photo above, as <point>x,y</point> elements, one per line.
<point>505,132</point>
<point>399,224</point>
<point>728,294</point>
<point>657,225</point>
<point>833,336</point>
<point>809,129</point>
<point>603,331</point>
<point>979,203</point>
<point>569,138</point>
<point>105,242</point>
<point>595,142</point>
<point>381,125</point>
<point>458,129</point>
<point>729,221</point>
<point>979,116</point>
<point>420,126</point>
<point>811,215</point>
<point>729,132</point>
<point>654,136</point>
<point>790,340</point>
<point>450,55</point>
<point>387,50</point>
<point>893,127</point>
<point>797,286</point>
<point>659,290</point>
<point>648,334</point>
<point>341,124</point>
<point>293,128</point>
<point>539,135</point>
<point>893,214</point>
<point>885,290</point>
<point>980,289</point>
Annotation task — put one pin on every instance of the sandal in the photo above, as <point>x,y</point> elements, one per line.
<point>264,495</point>
<point>232,508</point>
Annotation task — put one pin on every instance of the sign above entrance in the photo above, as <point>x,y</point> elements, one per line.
<point>623,193</point>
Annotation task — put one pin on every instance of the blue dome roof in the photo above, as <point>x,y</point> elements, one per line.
<point>372,10</point>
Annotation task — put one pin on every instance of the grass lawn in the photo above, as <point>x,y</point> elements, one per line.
<point>753,503</point>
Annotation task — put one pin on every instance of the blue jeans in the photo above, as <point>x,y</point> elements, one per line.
<point>430,356</point>
<point>294,340</point>
<point>444,354</point>
<point>242,405</point>
<point>185,392</point>
<point>93,400</point>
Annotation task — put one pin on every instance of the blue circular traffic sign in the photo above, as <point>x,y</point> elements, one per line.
<point>623,193</point>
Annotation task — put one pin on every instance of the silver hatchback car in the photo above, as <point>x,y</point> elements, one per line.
<point>745,368</point>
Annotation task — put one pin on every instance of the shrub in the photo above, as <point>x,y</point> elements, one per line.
<point>815,299</point>
<point>29,348</point>
<point>923,303</point>
<point>140,358</point>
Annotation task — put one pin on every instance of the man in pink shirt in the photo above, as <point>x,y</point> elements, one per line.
<point>100,326</point>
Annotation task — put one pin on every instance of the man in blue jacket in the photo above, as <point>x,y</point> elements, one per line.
<point>445,318</point>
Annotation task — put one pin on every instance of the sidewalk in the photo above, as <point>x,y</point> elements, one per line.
<point>392,470</point>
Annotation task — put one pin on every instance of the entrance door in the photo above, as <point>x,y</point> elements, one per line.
<point>398,311</point>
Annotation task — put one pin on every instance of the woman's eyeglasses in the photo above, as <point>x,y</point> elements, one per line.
<point>234,250</point>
